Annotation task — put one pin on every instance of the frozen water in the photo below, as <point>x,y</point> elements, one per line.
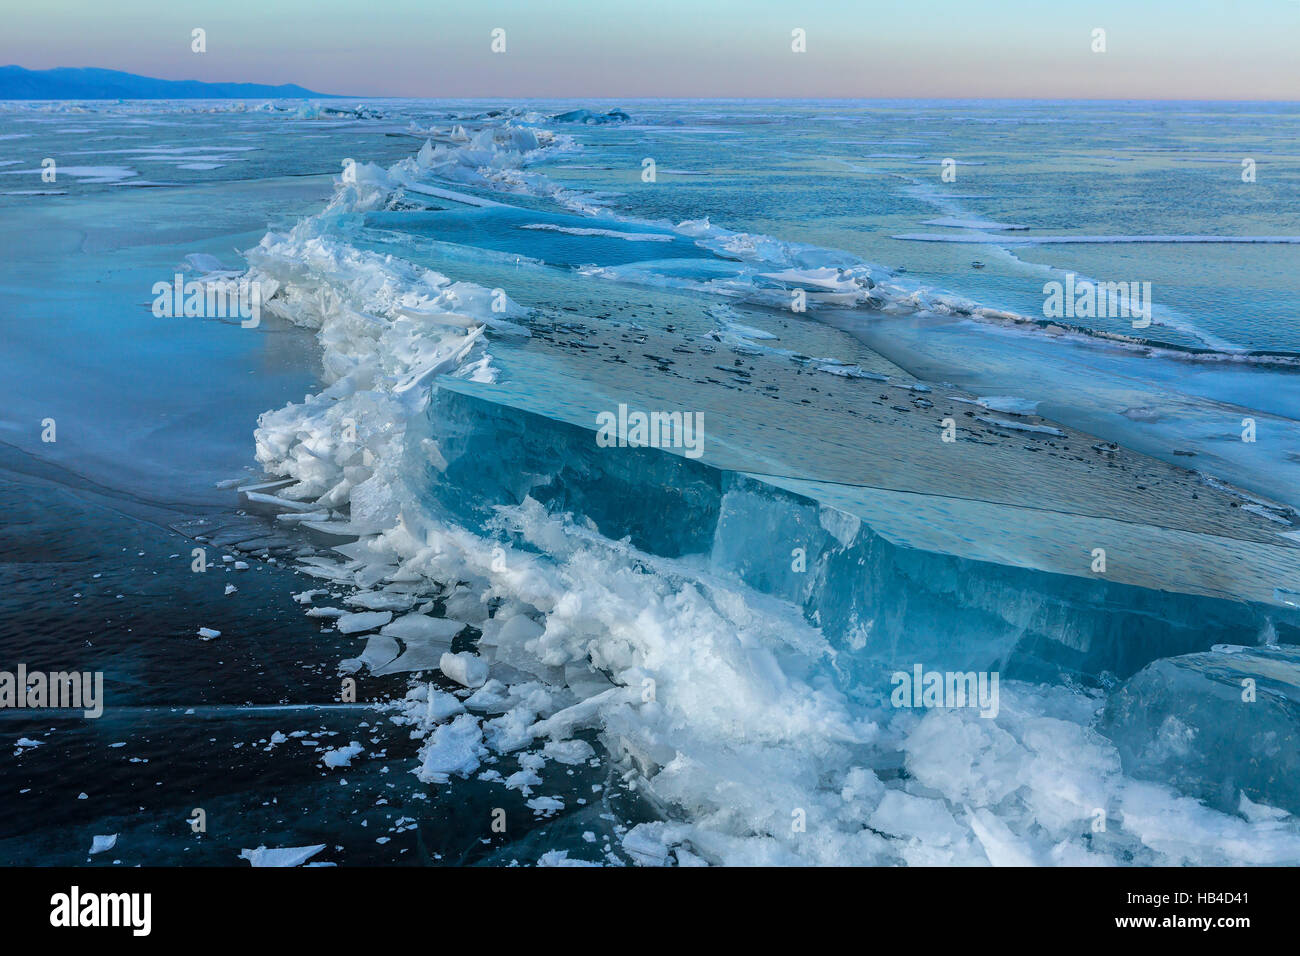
<point>748,608</point>
<point>1221,726</point>
<point>722,630</point>
<point>280,856</point>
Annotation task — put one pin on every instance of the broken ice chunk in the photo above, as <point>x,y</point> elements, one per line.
<point>381,601</point>
<point>341,756</point>
<point>280,856</point>
<point>379,651</point>
<point>1214,725</point>
<point>418,656</point>
<point>922,818</point>
<point>363,621</point>
<point>413,627</point>
<point>561,858</point>
<point>452,748</point>
<point>326,612</point>
<point>524,781</point>
<point>432,705</point>
<point>466,605</point>
<point>464,668</point>
<point>101,843</point>
<point>545,806</point>
<point>569,752</point>
<point>493,697</point>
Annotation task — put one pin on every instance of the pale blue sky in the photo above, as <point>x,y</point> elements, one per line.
<point>1157,49</point>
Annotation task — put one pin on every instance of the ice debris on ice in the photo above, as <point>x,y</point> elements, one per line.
<point>101,844</point>
<point>454,748</point>
<point>464,668</point>
<point>1020,426</point>
<point>341,756</point>
<point>280,856</point>
<point>363,621</point>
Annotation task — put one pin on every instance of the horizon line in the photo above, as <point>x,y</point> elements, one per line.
<point>839,98</point>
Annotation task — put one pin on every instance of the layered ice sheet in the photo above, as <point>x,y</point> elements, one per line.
<point>888,576</point>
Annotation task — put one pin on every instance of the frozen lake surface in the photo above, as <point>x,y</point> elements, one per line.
<point>682,653</point>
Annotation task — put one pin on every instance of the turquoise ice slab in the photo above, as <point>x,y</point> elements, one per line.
<point>981,552</point>
<point>1215,725</point>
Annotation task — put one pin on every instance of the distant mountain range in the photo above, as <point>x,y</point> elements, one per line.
<point>88,83</point>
